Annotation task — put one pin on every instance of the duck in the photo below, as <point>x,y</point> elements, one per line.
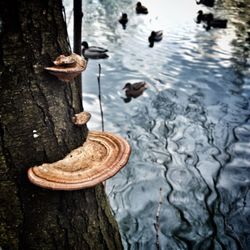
<point>134,89</point>
<point>123,20</point>
<point>93,52</point>
<point>216,23</point>
<point>203,17</point>
<point>155,36</point>
<point>140,9</point>
<point>208,3</point>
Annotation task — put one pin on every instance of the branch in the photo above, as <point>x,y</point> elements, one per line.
<point>157,223</point>
<point>99,94</point>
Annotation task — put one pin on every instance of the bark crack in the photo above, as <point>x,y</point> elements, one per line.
<point>47,118</point>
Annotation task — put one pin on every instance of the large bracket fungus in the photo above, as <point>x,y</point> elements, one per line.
<point>101,156</point>
<point>66,68</point>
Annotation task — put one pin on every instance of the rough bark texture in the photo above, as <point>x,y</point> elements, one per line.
<point>32,34</point>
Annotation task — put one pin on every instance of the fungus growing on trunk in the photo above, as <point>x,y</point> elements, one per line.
<point>101,156</point>
<point>81,118</point>
<point>66,68</point>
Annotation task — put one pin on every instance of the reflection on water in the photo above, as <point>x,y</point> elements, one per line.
<point>189,132</point>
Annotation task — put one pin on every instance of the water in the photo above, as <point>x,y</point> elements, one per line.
<point>189,131</point>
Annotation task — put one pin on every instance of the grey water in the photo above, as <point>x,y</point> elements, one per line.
<point>186,185</point>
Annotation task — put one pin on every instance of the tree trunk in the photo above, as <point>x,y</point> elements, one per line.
<point>36,127</point>
<point>78,14</point>
<point>77,26</point>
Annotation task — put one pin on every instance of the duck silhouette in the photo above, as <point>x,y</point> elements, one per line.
<point>123,20</point>
<point>155,36</point>
<point>140,9</point>
<point>216,23</point>
<point>93,52</point>
<point>203,17</point>
<point>133,90</point>
<point>208,3</point>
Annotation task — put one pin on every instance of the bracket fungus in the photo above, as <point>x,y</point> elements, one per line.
<point>66,68</point>
<point>81,118</point>
<point>100,157</point>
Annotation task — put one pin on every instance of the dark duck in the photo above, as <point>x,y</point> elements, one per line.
<point>93,52</point>
<point>123,20</point>
<point>216,23</point>
<point>155,36</point>
<point>208,3</point>
<point>203,17</point>
<point>140,9</point>
<point>133,90</point>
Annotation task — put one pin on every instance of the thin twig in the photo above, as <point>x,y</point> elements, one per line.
<point>65,19</point>
<point>157,223</point>
<point>70,15</point>
<point>99,95</point>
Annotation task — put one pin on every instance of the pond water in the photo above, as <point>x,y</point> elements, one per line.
<point>186,185</point>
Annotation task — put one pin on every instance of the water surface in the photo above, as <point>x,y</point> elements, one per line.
<point>189,131</point>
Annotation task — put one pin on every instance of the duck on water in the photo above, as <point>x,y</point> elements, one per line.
<point>123,20</point>
<point>140,9</point>
<point>93,52</point>
<point>216,23</point>
<point>155,36</point>
<point>133,90</point>
<point>208,3</point>
<point>203,17</point>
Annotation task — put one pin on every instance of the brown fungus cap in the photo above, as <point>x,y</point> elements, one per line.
<point>66,68</point>
<point>66,61</point>
<point>81,118</point>
<point>101,156</point>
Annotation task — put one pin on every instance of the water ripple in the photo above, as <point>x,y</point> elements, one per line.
<point>189,131</point>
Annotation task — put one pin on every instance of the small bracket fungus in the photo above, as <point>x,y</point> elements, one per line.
<point>66,61</point>
<point>66,68</point>
<point>81,118</point>
<point>101,156</point>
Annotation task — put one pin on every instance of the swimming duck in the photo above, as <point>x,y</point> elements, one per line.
<point>134,90</point>
<point>216,23</point>
<point>203,17</point>
<point>155,36</point>
<point>140,9</point>
<point>208,3</point>
<point>93,52</point>
<point>123,20</point>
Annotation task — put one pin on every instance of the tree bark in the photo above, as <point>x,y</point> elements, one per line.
<point>36,127</point>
